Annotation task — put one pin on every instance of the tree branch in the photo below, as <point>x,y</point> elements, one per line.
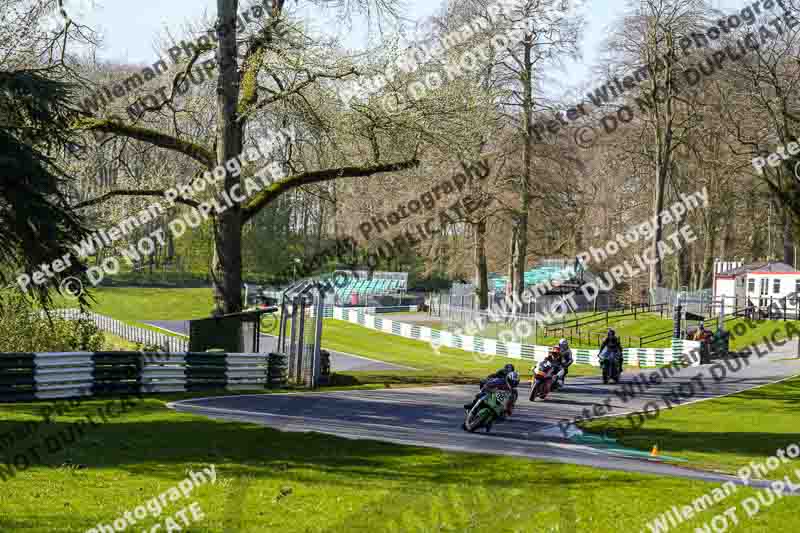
<point>263,198</point>
<point>162,140</point>
<point>133,192</point>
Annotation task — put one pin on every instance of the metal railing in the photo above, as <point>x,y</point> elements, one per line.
<point>128,332</point>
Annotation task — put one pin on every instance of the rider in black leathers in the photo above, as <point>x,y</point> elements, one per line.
<point>500,374</point>
<point>614,345</point>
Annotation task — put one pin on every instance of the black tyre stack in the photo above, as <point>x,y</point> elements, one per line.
<point>116,373</point>
<point>277,366</point>
<point>325,367</point>
<point>17,377</point>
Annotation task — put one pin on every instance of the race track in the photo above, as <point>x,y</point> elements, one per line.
<point>432,416</point>
<point>340,361</point>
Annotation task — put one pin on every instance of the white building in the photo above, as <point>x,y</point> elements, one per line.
<point>762,285</point>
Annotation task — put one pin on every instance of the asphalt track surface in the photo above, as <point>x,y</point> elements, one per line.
<point>432,416</point>
<point>340,361</point>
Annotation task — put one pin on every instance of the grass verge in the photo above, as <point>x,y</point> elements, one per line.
<point>137,304</point>
<point>446,366</point>
<point>307,482</point>
<point>723,434</point>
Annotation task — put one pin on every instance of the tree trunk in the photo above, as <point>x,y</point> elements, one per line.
<point>706,276</point>
<point>228,238</point>
<point>481,268</point>
<point>512,254</point>
<point>520,256</point>
<point>726,244</point>
<point>683,270</point>
<point>788,241</point>
<point>756,233</point>
<point>656,270</point>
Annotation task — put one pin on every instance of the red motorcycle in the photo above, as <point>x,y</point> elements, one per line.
<point>544,380</point>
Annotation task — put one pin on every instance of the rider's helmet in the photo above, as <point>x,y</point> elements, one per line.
<point>509,368</point>
<point>555,352</point>
<point>512,379</point>
<point>563,345</point>
<point>611,332</point>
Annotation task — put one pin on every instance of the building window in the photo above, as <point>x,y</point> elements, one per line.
<point>797,286</point>
<point>776,286</point>
<point>751,285</point>
<point>763,287</point>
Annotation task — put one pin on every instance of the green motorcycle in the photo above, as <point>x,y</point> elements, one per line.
<point>490,406</point>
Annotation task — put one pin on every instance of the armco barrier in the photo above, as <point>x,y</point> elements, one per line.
<point>33,376</point>
<point>642,357</point>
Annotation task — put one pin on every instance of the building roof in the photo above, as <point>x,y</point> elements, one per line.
<point>761,266</point>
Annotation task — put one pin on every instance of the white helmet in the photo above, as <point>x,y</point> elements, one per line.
<point>513,379</point>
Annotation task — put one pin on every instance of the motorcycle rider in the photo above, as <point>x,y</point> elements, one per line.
<point>614,345</point>
<point>565,359</point>
<point>494,379</point>
<point>704,336</point>
<point>512,381</point>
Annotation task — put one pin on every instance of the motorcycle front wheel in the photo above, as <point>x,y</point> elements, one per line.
<point>476,418</point>
<point>536,390</point>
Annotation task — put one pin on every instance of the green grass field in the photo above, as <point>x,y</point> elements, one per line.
<point>446,366</point>
<point>723,434</point>
<point>629,330</point>
<point>136,304</point>
<point>308,482</point>
<point>274,481</point>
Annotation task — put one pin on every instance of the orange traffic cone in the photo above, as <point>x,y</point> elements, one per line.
<point>654,451</point>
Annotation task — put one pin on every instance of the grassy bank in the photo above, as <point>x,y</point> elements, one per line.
<point>446,366</point>
<point>721,434</point>
<point>273,481</point>
<point>630,332</point>
<point>137,304</point>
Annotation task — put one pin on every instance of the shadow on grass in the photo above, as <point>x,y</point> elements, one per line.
<point>164,446</point>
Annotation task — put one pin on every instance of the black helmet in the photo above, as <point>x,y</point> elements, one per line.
<point>610,332</point>
<point>508,368</point>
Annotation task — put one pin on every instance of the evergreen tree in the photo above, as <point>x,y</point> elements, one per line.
<point>37,225</point>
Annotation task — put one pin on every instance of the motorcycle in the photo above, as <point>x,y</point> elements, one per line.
<point>490,406</point>
<point>544,380</point>
<point>610,363</point>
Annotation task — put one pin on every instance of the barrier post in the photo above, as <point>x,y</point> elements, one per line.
<point>676,322</point>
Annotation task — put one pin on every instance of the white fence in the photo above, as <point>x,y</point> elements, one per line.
<point>642,357</point>
<point>128,332</point>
